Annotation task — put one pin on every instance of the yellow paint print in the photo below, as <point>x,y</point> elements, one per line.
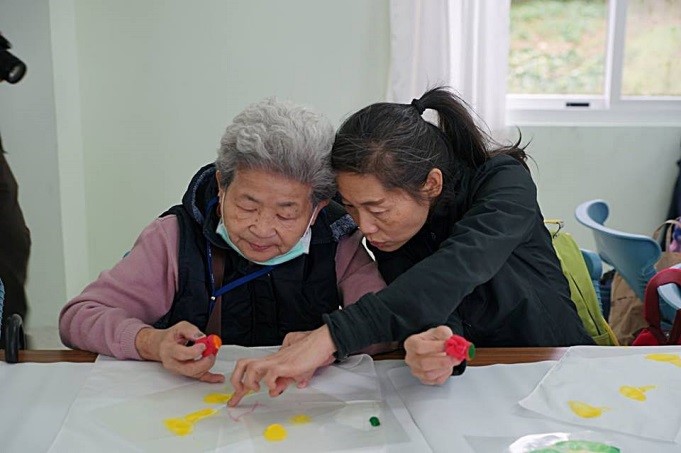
<point>585,410</point>
<point>636,393</point>
<point>181,426</point>
<point>200,414</point>
<point>221,398</point>
<point>674,359</point>
<point>275,432</point>
<point>217,398</point>
<point>300,419</point>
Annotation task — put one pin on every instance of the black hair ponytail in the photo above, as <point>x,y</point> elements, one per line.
<point>469,142</point>
<point>396,145</point>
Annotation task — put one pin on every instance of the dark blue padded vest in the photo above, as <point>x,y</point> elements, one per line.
<point>291,297</point>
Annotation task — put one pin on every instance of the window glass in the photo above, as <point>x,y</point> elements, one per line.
<point>652,49</point>
<point>557,46</point>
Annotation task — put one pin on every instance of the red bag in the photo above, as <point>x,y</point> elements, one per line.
<point>653,335</point>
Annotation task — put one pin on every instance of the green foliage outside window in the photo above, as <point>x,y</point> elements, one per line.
<point>559,47</point>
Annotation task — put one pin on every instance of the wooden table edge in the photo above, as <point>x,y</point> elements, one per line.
<point>483,356</point>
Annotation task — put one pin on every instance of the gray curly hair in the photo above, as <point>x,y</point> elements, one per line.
<point>282,138</point>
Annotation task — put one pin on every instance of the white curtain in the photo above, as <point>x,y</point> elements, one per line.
<point>460,43</point>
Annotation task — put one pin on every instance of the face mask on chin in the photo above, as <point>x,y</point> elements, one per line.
<point>301,247</point>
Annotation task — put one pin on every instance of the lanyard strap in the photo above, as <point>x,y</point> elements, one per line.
<point>215,266</point>
<point>240,281</point>
<point>217,269</point>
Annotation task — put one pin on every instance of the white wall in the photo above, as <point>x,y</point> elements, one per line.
<point>632,168</point>
<point>125,99</point>
<point>160,80</point>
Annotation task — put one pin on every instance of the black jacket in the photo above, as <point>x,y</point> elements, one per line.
<point>15,247</point>
<point>483,264</point>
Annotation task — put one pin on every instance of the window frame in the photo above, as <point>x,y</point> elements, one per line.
<point>610,108</point>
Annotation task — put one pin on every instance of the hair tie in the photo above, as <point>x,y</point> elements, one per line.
<point>418,105</point>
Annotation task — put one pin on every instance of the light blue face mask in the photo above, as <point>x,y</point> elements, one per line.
<point>301,247</point>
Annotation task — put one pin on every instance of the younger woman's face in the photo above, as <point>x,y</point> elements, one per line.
<point>388,218</point>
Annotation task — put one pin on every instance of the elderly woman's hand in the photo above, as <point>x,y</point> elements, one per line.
<point>168,346</point>
<point>296,362</point>
<point>425,355</point>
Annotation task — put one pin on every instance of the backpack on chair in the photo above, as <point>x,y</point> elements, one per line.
<point>627,314</point>
<point>653,335</point>
<point>582,290</point>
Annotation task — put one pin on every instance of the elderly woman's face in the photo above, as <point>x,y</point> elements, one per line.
<point>266,213</point>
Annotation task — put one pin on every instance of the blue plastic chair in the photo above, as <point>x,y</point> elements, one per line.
<point>632,255</point>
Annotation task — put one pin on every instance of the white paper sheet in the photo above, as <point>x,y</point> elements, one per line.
<point>123,404</point>
<point>479,411</point>
<point>629,393</point>
<point>34,400</point>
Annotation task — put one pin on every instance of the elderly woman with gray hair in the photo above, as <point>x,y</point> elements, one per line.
<point>256,250</point>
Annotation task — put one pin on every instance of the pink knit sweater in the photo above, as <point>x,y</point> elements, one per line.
<point>106,317</point>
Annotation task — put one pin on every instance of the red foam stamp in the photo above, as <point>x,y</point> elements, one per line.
<point>212,342</point>
<point>459,348</point>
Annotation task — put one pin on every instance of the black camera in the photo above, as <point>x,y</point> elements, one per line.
<point>11,68</point>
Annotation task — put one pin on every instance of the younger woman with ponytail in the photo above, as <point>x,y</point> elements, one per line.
<point>453,221</point>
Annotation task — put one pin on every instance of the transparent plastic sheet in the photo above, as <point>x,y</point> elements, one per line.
<point>140,421</point>
<point>331,427</point>
<point>338,404</point>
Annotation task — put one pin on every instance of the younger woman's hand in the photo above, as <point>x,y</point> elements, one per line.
<point>169,346</point>
<point>425,355</point>
<point>296,362</point>
<point>294,337</point>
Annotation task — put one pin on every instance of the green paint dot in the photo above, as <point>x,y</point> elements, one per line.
<point>374,421</point>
